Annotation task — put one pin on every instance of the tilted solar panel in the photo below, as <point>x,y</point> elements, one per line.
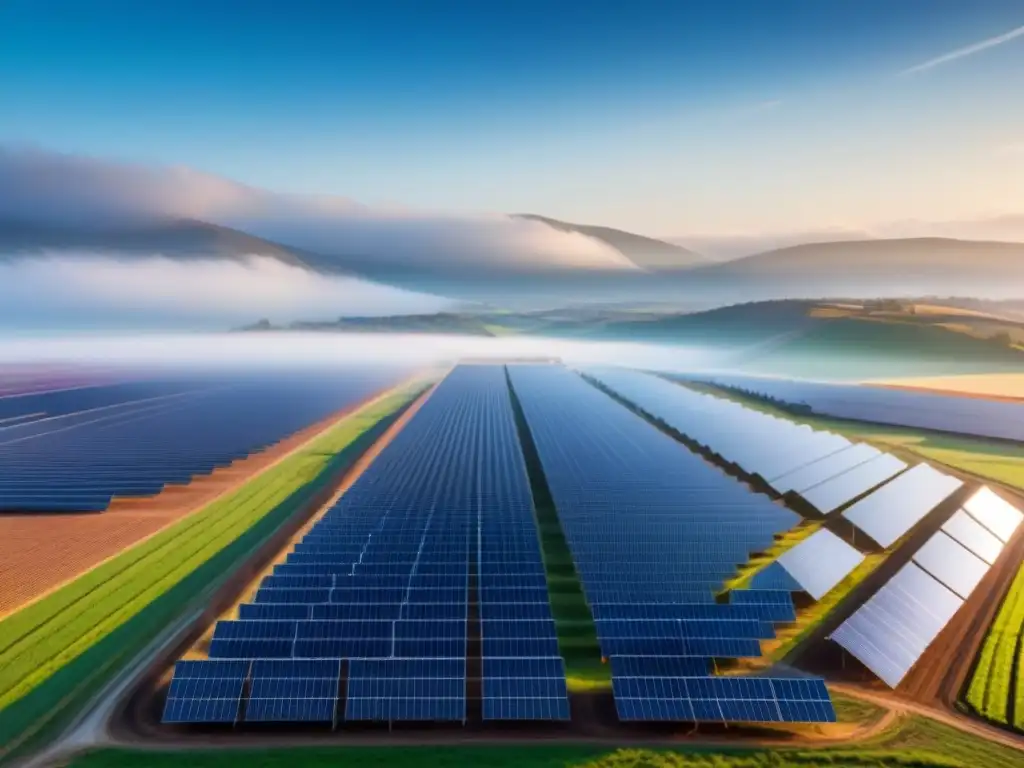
<point>895,508</point>
<point>994,512</point>
<point>890,632</point>
<point>722,699</point>
<point>205,691</point>
<point>974,536</point>
<point>820,562</point>
<point>830,495</point>
<point>952,564</point>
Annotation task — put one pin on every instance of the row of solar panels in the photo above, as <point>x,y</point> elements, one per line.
<point>384,573</point>
<point>945,413</point>
<point>79,459</point>
<point>825,469</point>
<point>652,526</point>
<point>819,563</point>
<point>893,629</point>
<point>310,691</point>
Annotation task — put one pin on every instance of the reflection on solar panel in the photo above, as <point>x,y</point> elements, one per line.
<point>995,513</point>
<point>654,532</point>
<point>891,631</point>
<point>204,691</point>
<point>724,427</point>
<point>723,699</point>
<point>946,413</point>
<point>834,493</point>
<point>974,536</point>
<point>382,579</point>
<point>820,562</point>
<point>951,564</point>
<point>825,468</point>
<point>894,509</point>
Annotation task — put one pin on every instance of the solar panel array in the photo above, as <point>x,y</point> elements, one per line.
<point>825,468</point>
<point>654,531</point>
<point>75,450</point>
<point>892,630</point>
<point>819,562</point>
<point>946,413</point>
<point>892,510</point>
<point>382,580</point>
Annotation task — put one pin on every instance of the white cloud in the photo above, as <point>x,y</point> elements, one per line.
<point>966,51</point>
<point>60,189</point>
<point>88,288</point>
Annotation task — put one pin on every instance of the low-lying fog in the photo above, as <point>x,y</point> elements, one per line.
<point>328,349</point>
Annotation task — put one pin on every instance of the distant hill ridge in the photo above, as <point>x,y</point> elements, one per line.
<point>889,255</point>
<point>645,252</point>
<point>187,239</point>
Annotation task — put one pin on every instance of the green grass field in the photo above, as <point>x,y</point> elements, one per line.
<point>996,689</point>
<point>913,742</point>
<point>55,654</point>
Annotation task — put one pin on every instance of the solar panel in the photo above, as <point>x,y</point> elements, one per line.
<point>974,536</point>
<point>133,438</point>
<point>825,468</point>
<point>890,632</point>
<point>406,689</point>
<point>293,691</point>
<point>722,699</point>
<point>994,512</point>
<point>951,564</point>
<point>205,691</point>
<point>894,509</point>
<point>659,666</point>
<point>834,493</point>
<point>775,578</point>
<point>820,562</point>
<point>946,413</point>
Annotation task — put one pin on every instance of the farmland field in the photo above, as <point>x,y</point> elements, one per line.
<point>57,652</point>
<point>913,742</point>
<point>996,689</point>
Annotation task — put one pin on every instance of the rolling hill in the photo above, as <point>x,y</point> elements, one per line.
<point>646,252</point>
<point>185,239</point>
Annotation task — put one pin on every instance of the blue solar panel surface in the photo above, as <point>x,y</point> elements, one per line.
<point>85,446</point>
<point>654,531</point>
<point>382,579</point>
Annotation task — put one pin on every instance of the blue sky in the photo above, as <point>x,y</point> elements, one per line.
<point>668,117</point>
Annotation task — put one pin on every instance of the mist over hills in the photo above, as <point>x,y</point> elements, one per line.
<point>186,239</point>
<point>646,252</point>
<point>62,209</point>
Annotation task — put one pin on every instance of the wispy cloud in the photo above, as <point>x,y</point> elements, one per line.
<point>85,287</point>
<point>966,51</point>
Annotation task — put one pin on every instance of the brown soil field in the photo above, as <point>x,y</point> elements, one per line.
<point>40,552</point>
